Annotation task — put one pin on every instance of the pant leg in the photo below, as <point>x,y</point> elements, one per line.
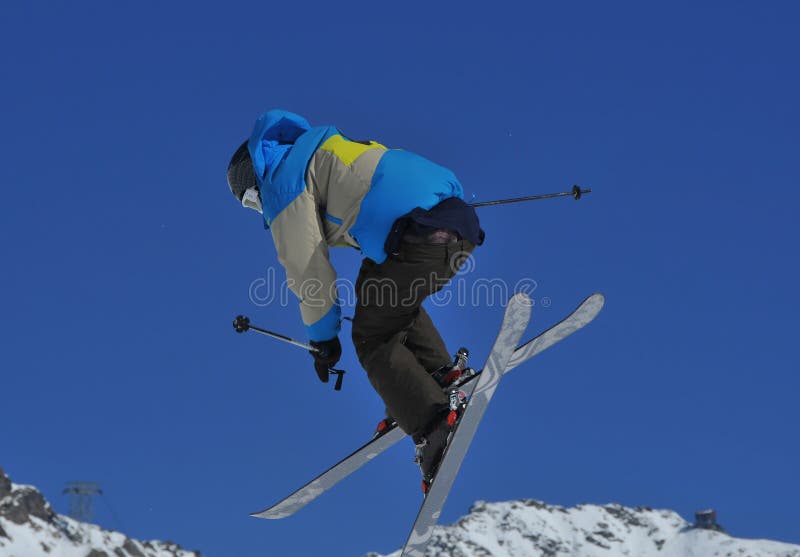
<point>426,343</point>
<point>390,295</point>
<point>423,339</point>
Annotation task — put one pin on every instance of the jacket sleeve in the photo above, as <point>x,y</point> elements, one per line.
<point>303,252</point>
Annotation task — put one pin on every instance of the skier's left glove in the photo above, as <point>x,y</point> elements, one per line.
<point>327,354</point>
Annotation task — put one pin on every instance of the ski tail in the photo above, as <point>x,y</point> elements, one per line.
<point>332,476</point>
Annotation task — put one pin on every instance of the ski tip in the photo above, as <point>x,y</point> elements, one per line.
<point>598,298</point>
<point>592,306</point>
<point>270,514</point>
<point>522,299</point>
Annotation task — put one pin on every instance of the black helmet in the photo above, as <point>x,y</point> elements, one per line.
<point>241,175</point>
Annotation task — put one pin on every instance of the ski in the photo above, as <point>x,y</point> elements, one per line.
<point>518,313</point>
<point>576,320</point>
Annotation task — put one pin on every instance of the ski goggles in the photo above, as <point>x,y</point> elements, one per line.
<point>252,200</point>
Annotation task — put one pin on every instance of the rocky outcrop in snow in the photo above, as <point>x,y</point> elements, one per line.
<point>29,527</point>
<point>534,529</point>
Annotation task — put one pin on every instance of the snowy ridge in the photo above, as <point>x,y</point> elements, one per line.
<point>534,529</point>
<point>29,527</point>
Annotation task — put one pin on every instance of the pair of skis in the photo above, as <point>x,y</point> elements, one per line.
<point>503,358</point>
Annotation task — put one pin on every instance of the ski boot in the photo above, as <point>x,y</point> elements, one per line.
<point>449,376</point>
<point>430,448</point>
<point>455,374</point>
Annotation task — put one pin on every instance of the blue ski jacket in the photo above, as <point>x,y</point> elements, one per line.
<point>320,189</point>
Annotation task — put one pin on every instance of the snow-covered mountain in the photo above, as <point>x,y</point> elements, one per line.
<point>534,529</point>
<point>30,528</point>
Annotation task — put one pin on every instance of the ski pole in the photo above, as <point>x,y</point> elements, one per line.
<point>576,192</point>
<point>242,324</point>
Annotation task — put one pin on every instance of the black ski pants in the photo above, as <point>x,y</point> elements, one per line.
<point>395,339</point>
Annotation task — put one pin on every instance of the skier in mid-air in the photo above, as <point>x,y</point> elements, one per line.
<point>317,189</point>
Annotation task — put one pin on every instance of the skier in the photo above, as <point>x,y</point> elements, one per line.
<point>316,189</point>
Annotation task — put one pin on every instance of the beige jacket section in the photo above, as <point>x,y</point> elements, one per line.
<point>338,177</point>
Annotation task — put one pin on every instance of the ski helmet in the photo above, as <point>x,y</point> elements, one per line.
<point>241,175</point>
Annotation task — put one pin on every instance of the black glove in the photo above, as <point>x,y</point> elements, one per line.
<point>328,353</point>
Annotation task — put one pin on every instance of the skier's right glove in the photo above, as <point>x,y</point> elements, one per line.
<point>325,357</point>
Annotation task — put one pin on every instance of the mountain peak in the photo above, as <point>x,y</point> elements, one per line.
<point>529,527</point>
<point>29,526</point>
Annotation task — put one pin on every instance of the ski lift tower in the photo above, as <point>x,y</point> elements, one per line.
<point>80,499</point>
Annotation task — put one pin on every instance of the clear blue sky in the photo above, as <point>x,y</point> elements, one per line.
<point>125,258</point>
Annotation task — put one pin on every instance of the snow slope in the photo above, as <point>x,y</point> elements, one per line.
<point>532,529</point>
<point>30,528</point>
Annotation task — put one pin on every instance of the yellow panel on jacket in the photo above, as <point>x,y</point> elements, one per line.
<point>348,151</point>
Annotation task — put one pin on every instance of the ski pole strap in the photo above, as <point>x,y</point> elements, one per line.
<point>339,379</point>
<point>576,192</point>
